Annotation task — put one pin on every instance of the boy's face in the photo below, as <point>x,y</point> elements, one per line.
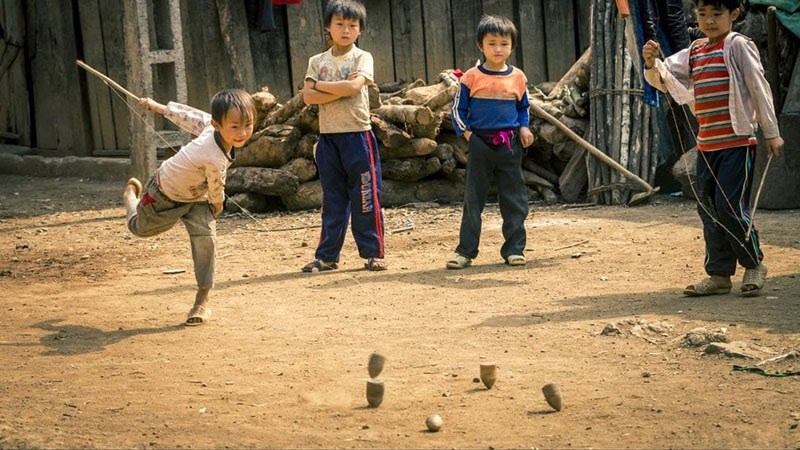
<point>235,129</point>
<point>496,49</point>
<point>344,32</point>
<point>715,22</point>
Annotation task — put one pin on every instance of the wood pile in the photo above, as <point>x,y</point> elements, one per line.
<point>421,158</point>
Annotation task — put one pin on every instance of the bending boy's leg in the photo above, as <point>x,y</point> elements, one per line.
<point>733,202</point>
<point>153,213</point>
<point>720,259</point>
<point>513,197</point>
<point>479,171</point>
<point>363,166</point>
<point>335,201</point>
<point>202,228</point>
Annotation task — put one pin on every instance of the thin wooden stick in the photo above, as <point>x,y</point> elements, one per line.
<point>574,244</point>
<point>755,203</point>
<point>105,79</point>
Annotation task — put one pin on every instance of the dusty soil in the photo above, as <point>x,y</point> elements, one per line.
<point>94,353</point>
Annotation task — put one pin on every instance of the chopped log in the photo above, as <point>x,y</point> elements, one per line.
<point>265,102</point>
<point>550,197</point>
<point>531,166</point>
<point>442,191</point>
<point>574,178</point>
<point>564,150</point>
<point>532,179</point>
<point>260,180</point>
<point>274,148</point>
<point>285,111</point>
<point>374,96</point>
<point>303,169</point>
<point>408,86</point>
<point>429,131</point>
<point>305,148</point>
<point>422,94</point>
<point>307,196</point>
<point>388,133</point>
<point>411,169</point>
<point>249,201</point>
<point>307,120</point>
<point>459,144</point>
<point>405,114</point>
<point>579,69</point>
<point>451,170</point>
<point>414,147</point>
<point>441,99</point>
<point>444,152</point>
<point>396,193</point>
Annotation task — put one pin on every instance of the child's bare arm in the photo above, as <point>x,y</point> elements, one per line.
<point>148,104</point>
<point>313,96</point>
<point>344,88</point>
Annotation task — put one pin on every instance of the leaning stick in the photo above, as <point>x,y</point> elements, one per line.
<point>105,79</point>
<point>755,203</point>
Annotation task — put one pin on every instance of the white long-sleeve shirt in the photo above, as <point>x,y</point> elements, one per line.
<point>197,172</point>
<point>750,98</point>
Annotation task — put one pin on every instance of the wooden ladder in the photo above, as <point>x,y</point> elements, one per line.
<point>144,61</point>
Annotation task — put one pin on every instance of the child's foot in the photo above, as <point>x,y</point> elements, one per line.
<point>319,265</point>
<point>515,260</point>
<point>713,285</point>
<point>459,262</point>
<point>198,315</point>
<point>754,280</point>
<point>375,264</point>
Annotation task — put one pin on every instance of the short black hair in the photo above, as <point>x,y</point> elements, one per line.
<point>730,5</point>
<point>348,9</point>
<point>228,99</point>
<point>496,25</point>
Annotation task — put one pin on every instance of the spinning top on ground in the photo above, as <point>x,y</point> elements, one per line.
<point>488,374</point>
<point>375,366</point>
<point>374,393</point>
<point>552,395</point>
<point>434,423</point>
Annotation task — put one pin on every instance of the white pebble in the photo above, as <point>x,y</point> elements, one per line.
<point>434,422</point>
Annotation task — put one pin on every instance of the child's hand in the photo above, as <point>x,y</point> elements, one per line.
<point>148,104</point>
<point>216,208</point>
<point>526,138</point>
<point>650,52</point>
<point>774,146</point>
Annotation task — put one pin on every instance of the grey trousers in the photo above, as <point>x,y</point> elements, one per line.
<point>155,213</point>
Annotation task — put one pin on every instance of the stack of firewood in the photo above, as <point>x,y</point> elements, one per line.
<point>421,157</point>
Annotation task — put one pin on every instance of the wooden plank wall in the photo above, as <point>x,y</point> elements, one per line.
<point>57,106</point>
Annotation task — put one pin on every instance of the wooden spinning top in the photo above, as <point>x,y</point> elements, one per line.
<point>552,395</point>
<point>488,374</point>
<point>375,366</point>
<point>374,393</point>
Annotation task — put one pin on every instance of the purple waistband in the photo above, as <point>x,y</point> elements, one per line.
<point>502,137</point>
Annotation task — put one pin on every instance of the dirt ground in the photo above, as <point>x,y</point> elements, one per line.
<point>94,353</point>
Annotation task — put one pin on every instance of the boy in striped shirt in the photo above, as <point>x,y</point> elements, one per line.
<point>721,77</point>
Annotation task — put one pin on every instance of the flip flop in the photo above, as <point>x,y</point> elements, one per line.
<point>375,264</point>
<point>137,185</point>
<point>515,260</point>
<point>319,265</point>
<point>705,287</point>
<point>459,262</point>
<point>198,315</point>
<point>755,278</point>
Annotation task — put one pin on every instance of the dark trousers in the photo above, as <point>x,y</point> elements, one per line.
<point>486,161</point>
<point>724,180</point>
<point>350,173</point>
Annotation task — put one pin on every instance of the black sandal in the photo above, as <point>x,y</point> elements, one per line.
<point>319,265</point>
